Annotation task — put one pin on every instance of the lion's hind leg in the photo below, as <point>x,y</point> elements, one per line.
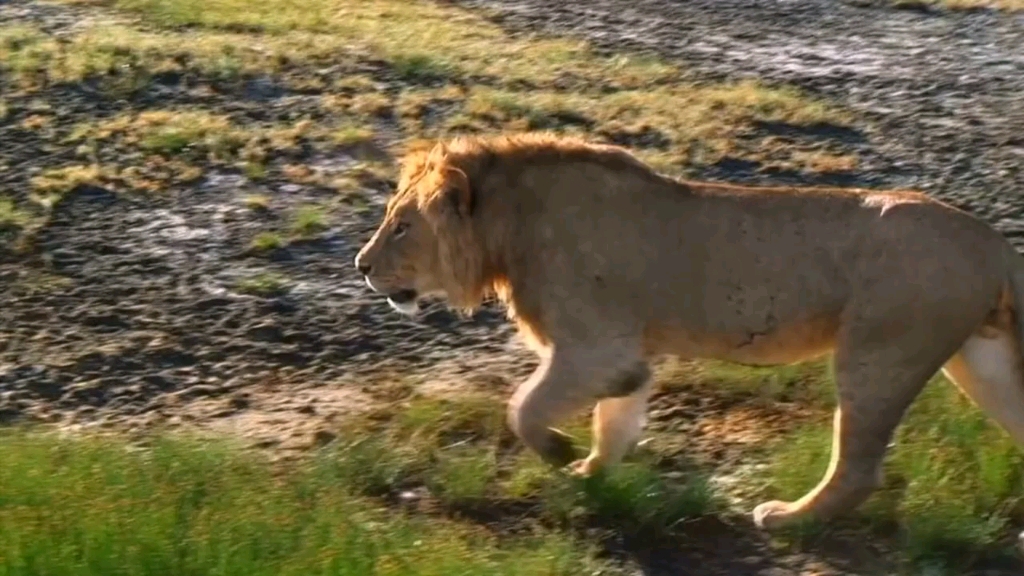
<point>879,371</point>
<point>988,370</point>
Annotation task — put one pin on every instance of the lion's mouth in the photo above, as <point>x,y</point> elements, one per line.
<point>402,296</point>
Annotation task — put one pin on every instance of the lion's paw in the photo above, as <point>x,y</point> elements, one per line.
<point>774,514</point>
<point>583,468</point>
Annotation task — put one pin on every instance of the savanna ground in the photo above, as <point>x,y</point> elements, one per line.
<point>194,380</point>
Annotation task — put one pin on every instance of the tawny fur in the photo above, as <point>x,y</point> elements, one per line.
<point>604,264</point>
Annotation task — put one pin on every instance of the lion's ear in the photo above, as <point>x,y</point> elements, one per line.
<point>459,193</point>
<point>438,153</point>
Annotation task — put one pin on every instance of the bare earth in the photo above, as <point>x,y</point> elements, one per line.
<point>150,328</point>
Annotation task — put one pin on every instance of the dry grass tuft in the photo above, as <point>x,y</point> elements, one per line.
<point>51,185</point>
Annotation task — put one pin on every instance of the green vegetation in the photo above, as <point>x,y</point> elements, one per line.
<point>267,241</point>
<point>52,184</point>
<point>453,447</point>
<point>351,135</point>
<point>11,216</point>
<point>257,202</point>
<point>266,284</point>
<point>193,133</point>
<point>184,506</point>
<point>308,221</point>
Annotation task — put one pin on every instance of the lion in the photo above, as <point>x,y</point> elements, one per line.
<point>604,264</point>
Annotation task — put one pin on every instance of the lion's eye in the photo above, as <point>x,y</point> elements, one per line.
<point>400,229</point>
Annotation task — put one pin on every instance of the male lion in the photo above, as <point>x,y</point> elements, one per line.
<point>603,264</point>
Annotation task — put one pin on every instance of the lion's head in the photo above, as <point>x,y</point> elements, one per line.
<point>426,244</point>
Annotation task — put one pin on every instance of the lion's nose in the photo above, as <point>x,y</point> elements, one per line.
<point>363,267</point>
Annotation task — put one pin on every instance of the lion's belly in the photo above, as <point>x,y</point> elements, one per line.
<point>786,343</point>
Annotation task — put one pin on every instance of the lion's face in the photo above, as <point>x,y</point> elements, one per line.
<point>426,244</point>
<point>401,260</point>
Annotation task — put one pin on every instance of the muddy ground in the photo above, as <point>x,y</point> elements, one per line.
<point>128,311</point>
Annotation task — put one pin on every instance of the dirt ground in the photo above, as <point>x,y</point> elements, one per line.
<point>128,311</point>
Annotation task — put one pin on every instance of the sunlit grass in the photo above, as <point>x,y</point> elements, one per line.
<point>11,216</point>
<point>182,506</point>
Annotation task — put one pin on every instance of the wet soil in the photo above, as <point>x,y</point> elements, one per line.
<point>128,310</point>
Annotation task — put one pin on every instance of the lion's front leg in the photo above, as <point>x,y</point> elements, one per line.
<point>616,428</point>
<point>568,381</point>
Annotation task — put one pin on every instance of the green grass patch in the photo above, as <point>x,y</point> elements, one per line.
<point>266,284</point>
<point>807,383</point>
<point>171,132</point>
<point>634,497</point>
<point>308,221</point>
<point>183,506</point>
<point>257,202</point>
<point>351,134</point>
<point>254,170</point>
<point>11,216</point>
<point>52,184</point>
<point>459,450</point>
<point>265,241</point>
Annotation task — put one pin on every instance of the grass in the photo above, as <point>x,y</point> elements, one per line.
<point>265,241</point>
<point>257,202</point>
<point>11,216</point>
<point>352,135</point>
<point>266,284</point>
<point>308,221</point>
<point>455,447</point>
<point>52,184</point>
<point>169,133</point>
<point>170,145</point>
<point>824,162</point>
<point>180,506</point>
<point>807,383</point>
<point>184,504</point>
<point>955,487</point>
